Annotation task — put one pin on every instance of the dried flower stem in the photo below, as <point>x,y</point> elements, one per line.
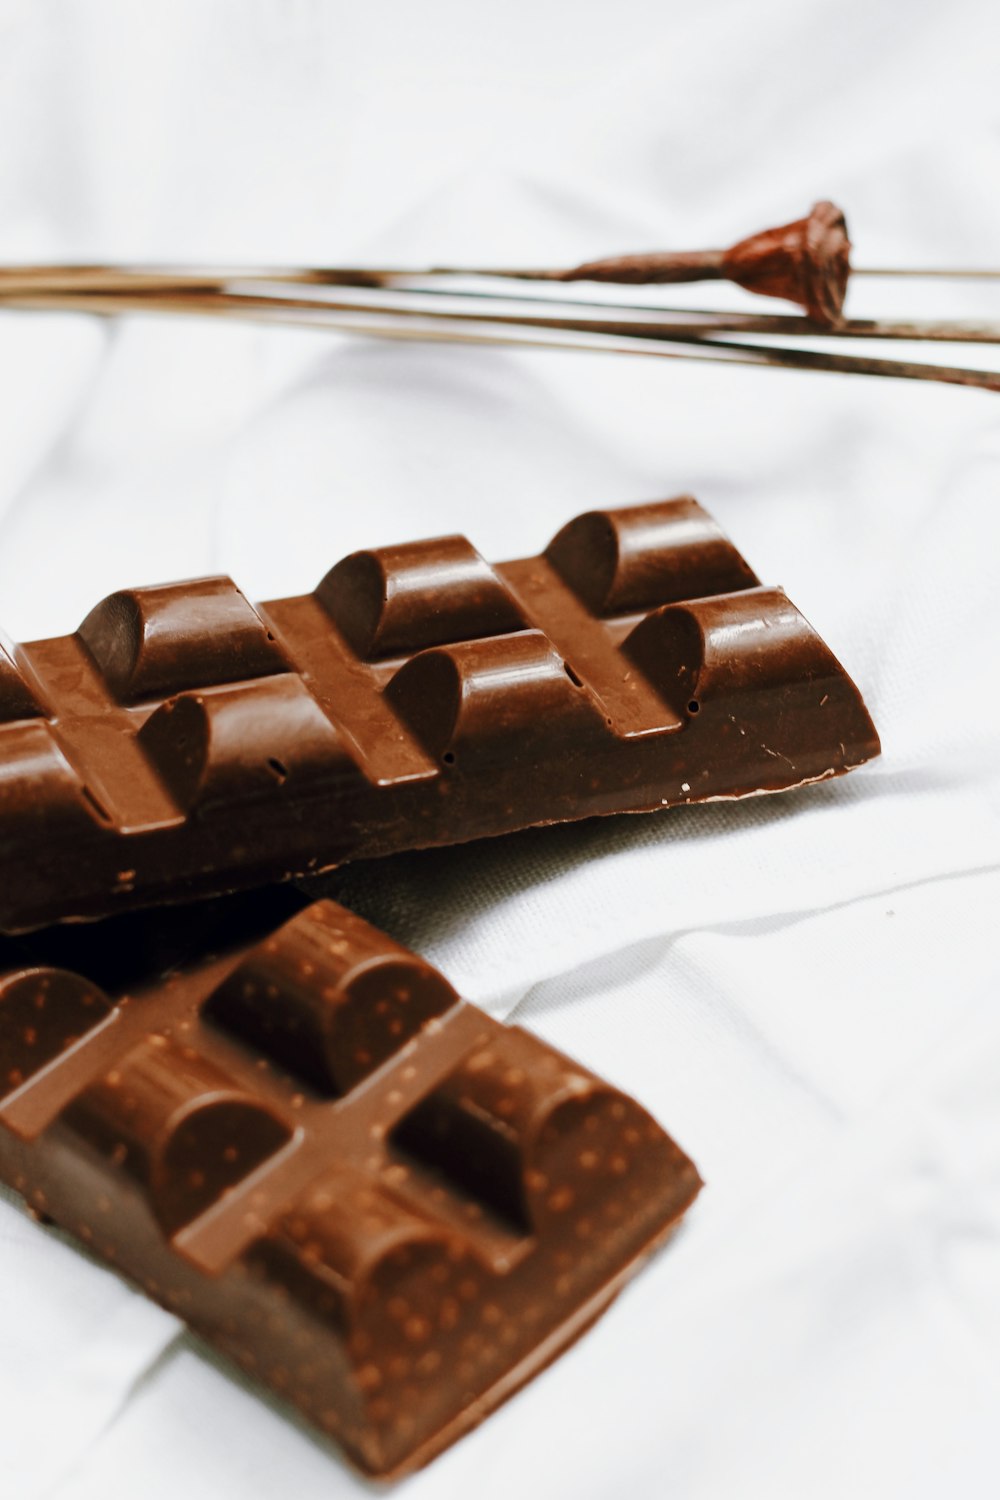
<point>386,319</point>
<point>952,273</point>
<point>38,286</point>
<point>78,289</point>
<point>807,262</point>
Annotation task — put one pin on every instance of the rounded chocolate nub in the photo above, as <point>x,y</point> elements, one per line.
<point>400,599</point>
<point>178,1126</point>
<point>642,556</point>
<point>18,700</point>
<point>41,793</point>
<point>376,996</point>
<point>713,647</point>
<point>508,701</point>
<point>43,1013</point>
<point>243,744</point>
<point>808,262</point>
<point>176,636</point>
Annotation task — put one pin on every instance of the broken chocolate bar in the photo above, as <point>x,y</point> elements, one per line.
<point>383,1204</point>
<point>183,743</point>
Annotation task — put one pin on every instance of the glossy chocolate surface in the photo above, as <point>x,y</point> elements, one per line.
<point>183,743</point>
<point>383,1204</point>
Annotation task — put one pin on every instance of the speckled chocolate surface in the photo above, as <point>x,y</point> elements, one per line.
<point>182,743</point>
<point>373,1197</point>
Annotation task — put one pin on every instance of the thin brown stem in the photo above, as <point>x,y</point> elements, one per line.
<point>390,321</point>
<point>952,273</point>
<point>635,321</point>
<point>806,262</point>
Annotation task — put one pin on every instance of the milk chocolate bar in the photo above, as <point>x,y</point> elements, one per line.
<point>377,1200</point>
<point>183,743</point>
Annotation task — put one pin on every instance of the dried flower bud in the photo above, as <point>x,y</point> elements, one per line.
<point>807,262</point>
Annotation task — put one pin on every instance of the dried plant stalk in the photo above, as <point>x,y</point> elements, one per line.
<point>807,262</point>
<point>388,319</point>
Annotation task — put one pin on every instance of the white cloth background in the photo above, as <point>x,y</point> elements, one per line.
<point>802,988</point>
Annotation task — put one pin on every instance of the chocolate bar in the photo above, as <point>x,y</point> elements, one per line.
<point>380,1202</point>
<point>183,743</point>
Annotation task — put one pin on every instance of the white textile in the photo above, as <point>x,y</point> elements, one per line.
<point>802,988</point>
